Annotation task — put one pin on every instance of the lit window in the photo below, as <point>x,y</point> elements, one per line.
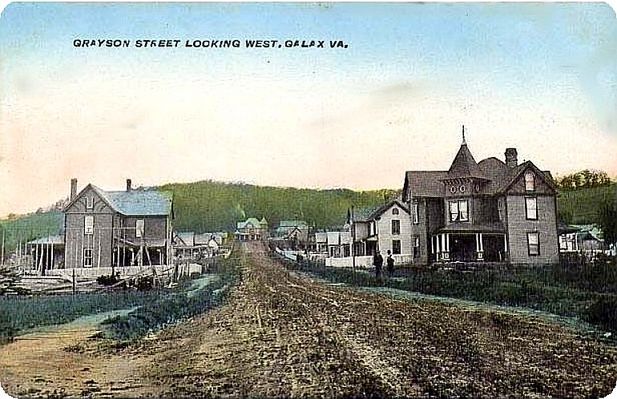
<point>139,228</point>
<point>416,246</point>
<point>415,213</point>
<point>88,225</point>
<point>459,211</point>
<point>531,208</point>
<point>395,211</point>
<point>533,243</point>
<point>396,247</point>
<point>87,257</point>
<point>530,181</point>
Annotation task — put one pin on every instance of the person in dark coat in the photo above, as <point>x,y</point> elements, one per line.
<point>390,264</point>
<point>378,263</point>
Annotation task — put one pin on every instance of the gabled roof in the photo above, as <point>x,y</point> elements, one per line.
<point>292,223</point>
<point>256,223</point>
<point>464,165</point>
<point>375,212</point>
<point>138,202</point>
<point>423,183</point>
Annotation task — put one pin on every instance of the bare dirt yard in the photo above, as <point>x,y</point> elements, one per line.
<point>282,334</point>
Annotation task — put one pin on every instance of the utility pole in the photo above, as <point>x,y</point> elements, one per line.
<point>353,242</point>
<point>2,253</point>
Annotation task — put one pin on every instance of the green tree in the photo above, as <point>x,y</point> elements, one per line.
<point>608,222</point>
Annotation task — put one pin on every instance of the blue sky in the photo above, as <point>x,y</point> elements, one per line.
<point>518,74</point>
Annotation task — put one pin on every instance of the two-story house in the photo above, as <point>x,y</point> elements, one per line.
<point>384,228</point>
<point>117,228</point>
<point>252,229</point>
<point>488,211</point>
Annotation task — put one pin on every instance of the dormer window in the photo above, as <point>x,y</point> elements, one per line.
<point>530,181</point>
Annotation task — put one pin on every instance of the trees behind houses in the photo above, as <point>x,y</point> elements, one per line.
<point>583,179</point>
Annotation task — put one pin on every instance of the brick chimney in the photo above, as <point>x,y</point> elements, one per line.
<point>73,189</point>
<point>511,157</point>
<point>128,184</point>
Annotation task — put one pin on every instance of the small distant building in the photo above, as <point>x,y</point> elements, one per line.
<point>293,230</point>
<point>252,229</point>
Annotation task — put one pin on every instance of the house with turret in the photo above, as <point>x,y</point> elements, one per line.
<point>487,211</point>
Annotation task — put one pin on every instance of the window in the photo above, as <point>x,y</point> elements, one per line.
<point>87,257</point>
<point>89,202</point>
<point>395,211</point>
<point>396,247</point>
<point>415,213</point>
<point>89,225</point>
<point>458,211</point>
<point>396,227</point>
<point>533,243</point>
<point>371,229</point>
<point>530,181</point>
<point>139,228</point>
<point>531,208</point>
<point>416,246</point>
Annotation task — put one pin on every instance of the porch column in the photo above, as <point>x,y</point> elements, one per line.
<point>480,246</point>
<point>444,246</point>
<point>432,245</point>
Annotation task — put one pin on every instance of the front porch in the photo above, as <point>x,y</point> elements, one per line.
<point>469,247</point>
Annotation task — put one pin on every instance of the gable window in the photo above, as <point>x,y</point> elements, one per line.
<point>87,257</point>
<point>531,208</point>
<point>396,227</point>
<point>459,211</point>
<point>530,181</point>
<point>89,202</point>
<point>533,244</point>
<point>396,247</point>
<point>89,225</point>
<point>415,213</point>
<point>139,228</point>
<point>395,211</point>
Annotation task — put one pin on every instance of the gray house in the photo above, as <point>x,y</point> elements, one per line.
<point>483,211</point>
<point>117,228</point>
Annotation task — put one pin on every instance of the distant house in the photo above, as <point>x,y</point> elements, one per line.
<point>119,228</point>
<point>296,230</point>
<point>383,228</point>
<point>252,229</point>
<point>487,211</point>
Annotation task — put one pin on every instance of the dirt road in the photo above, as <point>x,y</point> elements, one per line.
<point>282,334</point>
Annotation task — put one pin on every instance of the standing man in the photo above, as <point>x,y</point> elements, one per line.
<point>378,263</point>
<point>390,264</point>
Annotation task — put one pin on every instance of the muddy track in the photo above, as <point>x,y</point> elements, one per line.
<point>283,334</point>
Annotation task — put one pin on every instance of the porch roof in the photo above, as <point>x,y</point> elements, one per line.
<point>473,228</point>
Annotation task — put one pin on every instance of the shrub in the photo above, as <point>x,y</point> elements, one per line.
<point>603,312</point>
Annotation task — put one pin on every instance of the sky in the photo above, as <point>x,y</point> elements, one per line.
<point>541,77</point>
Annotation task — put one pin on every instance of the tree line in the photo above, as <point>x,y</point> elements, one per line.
<point>587,178</point>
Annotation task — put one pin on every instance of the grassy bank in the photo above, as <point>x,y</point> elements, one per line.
<point>588,292</point>
<point>21,313</point>
<point>177,306</point>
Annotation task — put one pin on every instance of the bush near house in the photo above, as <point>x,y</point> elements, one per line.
<point>172,308</point>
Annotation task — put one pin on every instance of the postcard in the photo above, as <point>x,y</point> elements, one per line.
<point>308,200</point>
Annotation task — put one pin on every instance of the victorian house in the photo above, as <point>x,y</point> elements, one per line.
<point>483,211</point>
